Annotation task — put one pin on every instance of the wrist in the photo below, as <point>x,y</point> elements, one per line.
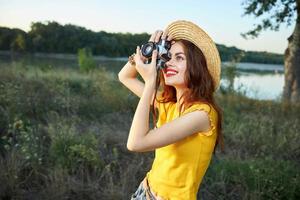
<point>148,91</point>
<point>131,59</point>
<point>150,84</point>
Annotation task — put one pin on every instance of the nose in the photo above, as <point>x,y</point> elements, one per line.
<point>170,63</point>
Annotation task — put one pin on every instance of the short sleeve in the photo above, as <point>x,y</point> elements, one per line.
<point>212,115</point>
<point>162,111</point>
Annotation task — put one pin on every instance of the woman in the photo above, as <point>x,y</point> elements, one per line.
<point>188,126</point>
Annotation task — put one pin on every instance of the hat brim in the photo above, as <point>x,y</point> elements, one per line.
<point>189,31</point>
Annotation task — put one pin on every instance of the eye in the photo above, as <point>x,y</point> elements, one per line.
<point>179,58</point>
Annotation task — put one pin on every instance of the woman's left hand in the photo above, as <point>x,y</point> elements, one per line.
<point>147,71</point>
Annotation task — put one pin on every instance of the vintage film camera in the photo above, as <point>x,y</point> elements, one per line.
<point>163,54</point>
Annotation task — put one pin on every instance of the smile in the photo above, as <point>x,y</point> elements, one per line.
<point>170,72</point>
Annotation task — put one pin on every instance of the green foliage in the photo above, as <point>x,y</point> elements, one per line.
<point>233,54</point>
<point>253,179</point>
<point>51,37</point>
<point>3,130</point>
<point>65,132</point>
<point>33,97</point>
<point>263,57</point>
<point>12,175</point>
<point>72,150</point>
<point>33,94</point>
<point>85,60</point>
<point>30,142</point>
<point>19,44</point>
<point>278,12</point>
<point>3,145</point>
<point>229,74</point>
<point>261,129</point>
<point>13,39</point>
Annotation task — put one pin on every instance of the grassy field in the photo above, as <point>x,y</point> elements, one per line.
<point>63,136</point>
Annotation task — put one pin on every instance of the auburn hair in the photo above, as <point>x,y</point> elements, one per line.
<point>200,86</point>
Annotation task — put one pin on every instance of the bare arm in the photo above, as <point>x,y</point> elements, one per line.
<point>142,139</point>
<point>128,76</point>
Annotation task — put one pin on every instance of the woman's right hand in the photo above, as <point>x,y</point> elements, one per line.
<point>155,37</point>
<point>128,73</point>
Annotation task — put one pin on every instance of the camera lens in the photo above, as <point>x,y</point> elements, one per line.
<point>147,49</point>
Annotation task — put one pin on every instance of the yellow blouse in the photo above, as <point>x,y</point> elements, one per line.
<point>178,168</point>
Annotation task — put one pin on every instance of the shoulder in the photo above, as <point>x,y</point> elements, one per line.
<point>208,114</point>
<point>200,106</point>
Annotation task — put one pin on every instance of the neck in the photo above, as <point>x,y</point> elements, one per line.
<point>179,93</point>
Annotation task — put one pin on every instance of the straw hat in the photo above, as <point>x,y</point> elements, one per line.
<point>189,31</point>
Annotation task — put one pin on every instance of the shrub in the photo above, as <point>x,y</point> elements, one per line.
<point>72,150</point>
<point>233,178</point>
<point>85,60</point>
<point>29,141</point>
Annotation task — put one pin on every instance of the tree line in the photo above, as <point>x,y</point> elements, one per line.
<point>52,37</point>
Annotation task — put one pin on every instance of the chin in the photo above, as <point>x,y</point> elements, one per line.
<point>172,84</point>
<point>169,83</point>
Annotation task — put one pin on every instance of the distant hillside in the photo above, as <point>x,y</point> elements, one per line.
<point>235,54</point>
<point>51,37</point>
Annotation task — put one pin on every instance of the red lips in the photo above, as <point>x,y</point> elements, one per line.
<point>170,72</point>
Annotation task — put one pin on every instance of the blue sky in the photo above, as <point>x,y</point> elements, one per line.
<point>221,19</point>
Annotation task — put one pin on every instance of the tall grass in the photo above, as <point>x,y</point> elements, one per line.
<point>63,136</point>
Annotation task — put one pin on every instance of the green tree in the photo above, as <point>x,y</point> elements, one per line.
<point>19,44</point>
<point>86,61</point>
<point>52,37</point>
<point>278,12</point>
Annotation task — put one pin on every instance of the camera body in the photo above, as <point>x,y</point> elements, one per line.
<point>163,54</point>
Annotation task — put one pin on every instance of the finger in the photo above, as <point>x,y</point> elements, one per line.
<point>169,38</point>
<point>152,38</point>
<point>137,56</point>
<point>158,35</point>
<point>138,51</point>
<point>142,58</point>
<point>154,56</point>
<point>164,35</point>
